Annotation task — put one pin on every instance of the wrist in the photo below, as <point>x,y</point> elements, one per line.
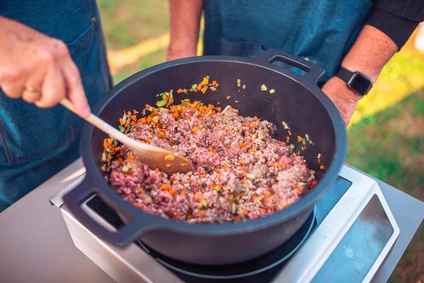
<point>186,48</point>
<point>339,88</point>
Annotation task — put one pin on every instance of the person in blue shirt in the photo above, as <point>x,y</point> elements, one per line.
<point>342,37</point>
<point>50,49</point>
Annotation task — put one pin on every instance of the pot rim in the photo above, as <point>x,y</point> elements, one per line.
<point>304,203</point>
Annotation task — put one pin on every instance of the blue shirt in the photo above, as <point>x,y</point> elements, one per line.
<point>321,30</point>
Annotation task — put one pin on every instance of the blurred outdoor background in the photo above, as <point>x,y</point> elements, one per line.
<point>386,136</point>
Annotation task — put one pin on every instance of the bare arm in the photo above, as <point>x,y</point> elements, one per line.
<point>371,51</point>
<point>387,28</point>
<point>184,17</point>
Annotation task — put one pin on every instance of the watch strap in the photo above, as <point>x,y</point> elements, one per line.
<point>344,74</point>
<point>356,81</point>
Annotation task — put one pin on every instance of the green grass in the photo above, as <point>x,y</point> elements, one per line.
<point>128,22</point>
<point>153,59</point>
<point>390,146</point>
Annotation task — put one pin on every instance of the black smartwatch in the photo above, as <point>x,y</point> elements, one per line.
<point>356,81</point>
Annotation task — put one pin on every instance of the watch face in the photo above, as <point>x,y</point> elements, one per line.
<point>359,83</point>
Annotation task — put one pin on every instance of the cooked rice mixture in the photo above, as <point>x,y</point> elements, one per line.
<point>242,172</point>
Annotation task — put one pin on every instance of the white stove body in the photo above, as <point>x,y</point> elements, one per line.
<point>359,202</point>
<point>321,244</point>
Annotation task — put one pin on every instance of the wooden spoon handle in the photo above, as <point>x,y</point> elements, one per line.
<point>99,123</point>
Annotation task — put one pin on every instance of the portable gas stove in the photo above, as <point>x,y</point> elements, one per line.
<point>346,238</point>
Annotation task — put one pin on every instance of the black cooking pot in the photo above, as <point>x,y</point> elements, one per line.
<point>297,100</point>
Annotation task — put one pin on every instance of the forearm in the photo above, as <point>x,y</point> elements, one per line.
<point>368,55</point>
<point>184,17</point>
<point>370,52</point>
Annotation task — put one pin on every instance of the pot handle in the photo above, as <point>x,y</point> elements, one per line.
<point>127,233</point>
<point>313,72</point>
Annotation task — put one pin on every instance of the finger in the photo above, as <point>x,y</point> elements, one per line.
<point>33,84</point>
<point>75,89</point>
<point>13,84</point>
<point>53,88</point>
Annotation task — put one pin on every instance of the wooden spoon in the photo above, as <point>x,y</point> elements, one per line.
<point>155,157</point>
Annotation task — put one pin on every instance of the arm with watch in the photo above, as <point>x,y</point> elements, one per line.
<point>386,30</point>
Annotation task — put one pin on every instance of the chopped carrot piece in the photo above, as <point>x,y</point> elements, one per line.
<point>195,130</point>
<point>202,214</point>
<point>148,140</point>
<point>135,111</point>
<point>199,87</point>
<point>182,193</point>
<point>313,184</point>
<point>267,195</point>
<point>299,139</point>
<point>198,196</point>
<point>133,117</point>
<point>203,90</point>
<point>245,211</point>
<point>176,114</point>
<point>141,121</point>
<point>149,119</point>
<point>130,157</point>
<point>170,101</point>
<point>205,81</point>
<point>161,135</point>
<point>173,191</point>
<point>287,139</point>
<point>179,90</point>
<point>165,187</point>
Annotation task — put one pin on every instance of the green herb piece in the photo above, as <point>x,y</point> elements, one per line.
<point>155,119</point>
<point>204,203</point>
<point>125,168</point>
<point>161,103</point>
